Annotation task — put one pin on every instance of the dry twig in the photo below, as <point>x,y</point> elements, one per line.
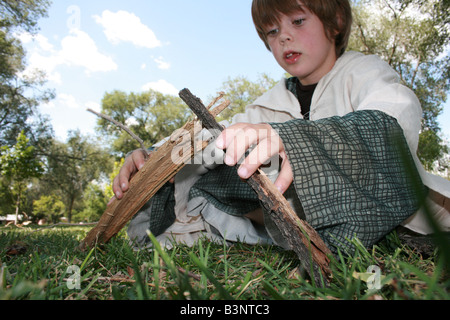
<point>120,125</point>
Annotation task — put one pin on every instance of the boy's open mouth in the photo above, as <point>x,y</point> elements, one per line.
<point>292,56</point>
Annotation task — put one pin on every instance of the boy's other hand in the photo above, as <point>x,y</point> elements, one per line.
<point>133,163</point>
<point>238,138</point>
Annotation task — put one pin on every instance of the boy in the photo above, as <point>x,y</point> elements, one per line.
<point>339,127</point>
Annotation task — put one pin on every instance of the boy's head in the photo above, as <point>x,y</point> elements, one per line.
<point>336,16</point>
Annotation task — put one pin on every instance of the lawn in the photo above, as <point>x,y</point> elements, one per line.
<point>45,264</point>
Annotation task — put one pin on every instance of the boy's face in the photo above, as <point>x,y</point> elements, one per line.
<point>301,47</point>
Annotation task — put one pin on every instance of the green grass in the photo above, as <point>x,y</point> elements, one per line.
<point>36,264</point>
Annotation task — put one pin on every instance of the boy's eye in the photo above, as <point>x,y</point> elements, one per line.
<point>298,22</point>
<point>272,32</point>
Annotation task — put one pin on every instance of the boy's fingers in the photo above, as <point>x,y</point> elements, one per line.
<point>238,138</point>
<point>256,158</point>
<point>232,147</point>
<point>243,140</point>
<point>133,163</point>
<point>125,174</point>
<point>116,188</point>
<point>139,157</point>
<point>285,178</point>
<point>227,135</point>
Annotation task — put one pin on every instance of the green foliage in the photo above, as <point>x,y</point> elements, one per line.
<point>50,207</point>
<point>242,92</point>
<point>94,204</point>
<point>23,14</point>
<point>19,165</point>
<point>16,106</point>
<point>413,37</point>
<point>430,148</point>
<point>72,166</point>
<point>7,204</point>
<point>151,115</point>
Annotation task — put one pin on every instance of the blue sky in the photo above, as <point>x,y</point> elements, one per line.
<point>88,48</point>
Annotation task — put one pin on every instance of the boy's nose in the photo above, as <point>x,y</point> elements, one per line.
<point>285,39</point>
<point>285,36</point>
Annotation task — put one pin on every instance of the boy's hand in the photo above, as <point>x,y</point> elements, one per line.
<point>238,138</point>
<point>133,163</point>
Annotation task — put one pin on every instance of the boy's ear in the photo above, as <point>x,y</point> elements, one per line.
<point>340,27</point>
<point>340,24</point>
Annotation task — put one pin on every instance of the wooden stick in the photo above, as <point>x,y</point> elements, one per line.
<point>120,125</point>
<point>301,237</point>
<point>157,171</point>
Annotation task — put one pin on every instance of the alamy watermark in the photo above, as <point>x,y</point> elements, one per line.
<point>73,282</point>
<point>374,281</point>
<point>74,20</point>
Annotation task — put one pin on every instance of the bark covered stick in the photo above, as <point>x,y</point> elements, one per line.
<point>162,165</point>
<point>120,125</point>
<point>301,237</point>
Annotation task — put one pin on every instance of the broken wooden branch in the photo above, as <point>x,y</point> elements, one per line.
<point>157,171</point>
<point>301,237</point>
<point>120,125</point>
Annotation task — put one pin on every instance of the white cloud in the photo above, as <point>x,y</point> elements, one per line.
<point>80,50</point>
<point>68,101</point>
<point>41,56</point>
<point>77,49</point>
<point>45,62</point>
<point>124,26</point>
<point>161,86</point>
<point>62,100</point>
<point>41,40</point>
<point>162,64</point>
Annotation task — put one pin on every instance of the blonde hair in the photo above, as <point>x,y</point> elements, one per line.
<point>336,16</point>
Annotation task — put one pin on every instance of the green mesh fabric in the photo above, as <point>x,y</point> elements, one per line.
<point>350,175</point>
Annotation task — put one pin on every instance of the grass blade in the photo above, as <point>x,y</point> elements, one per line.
<point>223,293</point>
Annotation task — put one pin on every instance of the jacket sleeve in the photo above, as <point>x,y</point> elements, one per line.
<point>379,88</point>
<point>354,175</point>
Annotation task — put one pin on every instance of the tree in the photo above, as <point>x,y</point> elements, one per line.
<point>413,37</point>
<point>17,108</point>
<point>7,204</point>
<point>242,92</point>
<point>72,166</point>
<point>151,115</point>
<point>19,165</point>
<point>49,206</point>
<point>94,204</point>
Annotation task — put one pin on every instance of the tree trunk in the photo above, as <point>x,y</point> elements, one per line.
<point>69,211</point>
<point>16,219</point>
